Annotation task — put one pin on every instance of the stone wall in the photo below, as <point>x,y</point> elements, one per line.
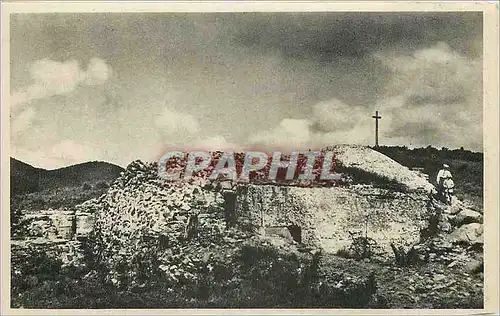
<point>57,224</point>
<point>56,233</point>
<point>328,216</point>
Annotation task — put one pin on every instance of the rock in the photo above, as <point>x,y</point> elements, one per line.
<point>84,223</point>
<point>469,234</point>
<point>466,216</point>
<point>444,224</point>
<point>455,207</point>
<point>474,266</point>
<point>439,277</point>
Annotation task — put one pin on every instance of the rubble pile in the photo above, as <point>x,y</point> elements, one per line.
<point>50,224</point>
<point>141,235</point>
<point>57,233</point>
<point>60,223</point>
<point>143,217</point>
<point>261,176</point>
<point>146,226</point>
<point>308,244</point>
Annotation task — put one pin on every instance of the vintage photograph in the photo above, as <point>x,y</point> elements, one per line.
<point>281,160</point>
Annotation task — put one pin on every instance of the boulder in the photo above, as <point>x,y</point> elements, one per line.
<point>466,216</point>
<point>476,265</point>
<point>469,234</point>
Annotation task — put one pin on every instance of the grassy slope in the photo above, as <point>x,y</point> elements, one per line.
<point>25,178</point>
<point>466,167</point>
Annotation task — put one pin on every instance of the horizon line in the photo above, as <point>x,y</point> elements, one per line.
<point>218,150</point>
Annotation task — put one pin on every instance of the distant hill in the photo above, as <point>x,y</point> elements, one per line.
<point>25,178</point>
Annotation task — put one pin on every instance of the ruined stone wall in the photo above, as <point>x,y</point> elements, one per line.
<point>328,215</point>
<point>56,233</point>
<point>57,224</point>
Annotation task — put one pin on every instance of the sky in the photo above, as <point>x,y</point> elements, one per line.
<point>117,87</point>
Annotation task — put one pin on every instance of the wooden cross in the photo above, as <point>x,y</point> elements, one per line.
<point>376,117</point>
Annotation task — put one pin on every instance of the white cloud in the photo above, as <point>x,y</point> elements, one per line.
<point>36,158</point>
<point>75,151</point>
<point>290,133</point>
<point>98,72</point>
<point>216,143</point>
<point>57,78</point>
<point>432,75</point>
<point>333,115</point>
<point>332,122</point>
<point>433,97</point>
<point>172,122</point>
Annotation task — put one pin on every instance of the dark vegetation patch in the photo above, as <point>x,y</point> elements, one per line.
<point>358,176</point>
<point>257,275</point>
<point>25,178</point>
<point>466,167</point>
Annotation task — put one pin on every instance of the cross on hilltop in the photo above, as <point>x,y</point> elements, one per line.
<point>376,117</point>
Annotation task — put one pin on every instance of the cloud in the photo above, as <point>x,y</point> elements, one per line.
<point>98,72</point>
<point>58,78</point>
<point>217,142</point>
<point>334,115</point>
<point>23,121</point>
<point>436,74</point>
<point>290,133</point>
<point>172,122</point>
<point>434,96</point>
<point>235,75</point>
<point>72,150</point>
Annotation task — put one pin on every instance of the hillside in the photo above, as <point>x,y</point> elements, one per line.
<point>25,178</point>
<point>35,189</point>
<point>466,167</point>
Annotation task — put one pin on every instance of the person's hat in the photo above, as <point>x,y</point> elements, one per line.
<point>446,166</point>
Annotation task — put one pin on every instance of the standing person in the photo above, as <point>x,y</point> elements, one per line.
<point>443,175</point>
